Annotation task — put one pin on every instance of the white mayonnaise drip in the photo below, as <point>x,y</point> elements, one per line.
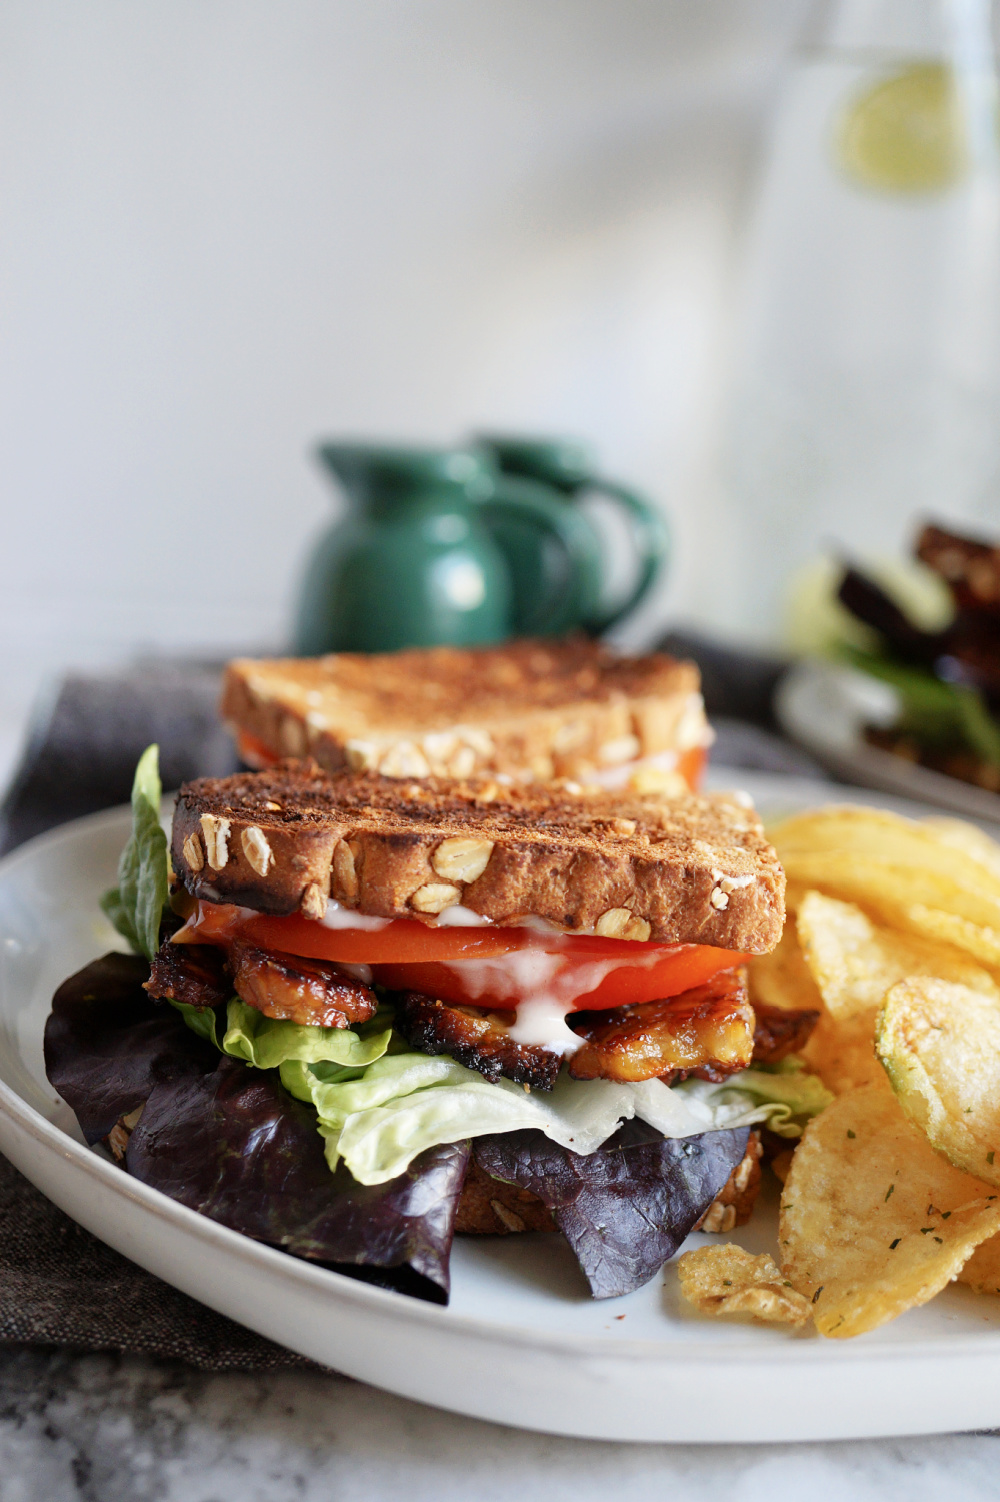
<point>541,1023</point>
<point>541,985</point>
<point>363,973</point>
<point>461,917</point>
<point>337,916</point>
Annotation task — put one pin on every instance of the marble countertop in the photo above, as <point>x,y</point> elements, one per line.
<point>99,1428</point>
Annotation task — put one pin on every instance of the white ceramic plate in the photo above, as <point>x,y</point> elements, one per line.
<point>826,707</point>
<point>521,1343</point>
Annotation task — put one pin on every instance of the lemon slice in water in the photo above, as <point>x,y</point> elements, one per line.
<point>904,134</point>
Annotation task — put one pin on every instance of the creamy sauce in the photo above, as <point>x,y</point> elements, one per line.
<point>540,983</point>
<point>541,986</point>
<point>541,1023</point>
<point>363,973</point>
<point>338,916</point>
<point>461,917</point>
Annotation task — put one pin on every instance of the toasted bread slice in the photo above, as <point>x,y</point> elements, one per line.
<point>529,709</point>
<point>685,870</point>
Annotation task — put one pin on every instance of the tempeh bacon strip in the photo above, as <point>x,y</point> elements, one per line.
<point>708,1031</point>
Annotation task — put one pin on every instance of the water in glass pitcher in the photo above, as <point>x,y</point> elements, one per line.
<point>867,387</point>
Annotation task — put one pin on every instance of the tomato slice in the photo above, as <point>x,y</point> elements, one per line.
<point>691,765</point>
<point>475,965</point>
<point>581,983</point>
<point>255,752</point>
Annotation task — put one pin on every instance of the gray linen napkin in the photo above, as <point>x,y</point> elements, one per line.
<point>61,1286</point>
<point>87,736</point>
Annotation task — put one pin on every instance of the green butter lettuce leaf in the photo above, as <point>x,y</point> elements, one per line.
<point>789,1095</point>
<point>379,1119</point>
<point>266,1043</point>
<point>136,905</point>
<point>200,1020</point>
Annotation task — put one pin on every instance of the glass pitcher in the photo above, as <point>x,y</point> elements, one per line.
<point>867,390</point>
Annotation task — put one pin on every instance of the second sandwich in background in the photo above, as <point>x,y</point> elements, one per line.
<point>527,711</point>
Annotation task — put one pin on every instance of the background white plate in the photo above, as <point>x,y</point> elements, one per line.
<point>825,708</point>
<point>522,1343</point>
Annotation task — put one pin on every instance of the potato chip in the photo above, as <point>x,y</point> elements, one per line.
<point>843,1053</point>
<point>965,837</point>
<point>947,844</point>
<point>887,863</point>
<point>940,1045</point>
<point>873,1221</point>
<point>982,1271</point>
<point>727,1280</point>
<point>782,978</point>
<point>981,942</point>
<point>781,1164</point>
<point>855,962</point>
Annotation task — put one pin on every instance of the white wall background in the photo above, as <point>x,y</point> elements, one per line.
<point>228,227</point>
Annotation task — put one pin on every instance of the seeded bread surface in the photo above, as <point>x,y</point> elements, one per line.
<point>691,869</point>
<point>529,708</point>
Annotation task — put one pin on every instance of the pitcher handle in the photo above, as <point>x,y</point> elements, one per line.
<point>651,540</point>
<point>567,602</point>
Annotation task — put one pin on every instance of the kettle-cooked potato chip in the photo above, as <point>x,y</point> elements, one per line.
<point>782,978</point>
<point>888,864</point>
<point>965,837</point>
<point>982,1271</point>
<point>981,942</point>
<point>873,1221</point>
<point>843,1053</point>
<point>855,962</point>
<point>940,1045</point>
<point>727,1280</point>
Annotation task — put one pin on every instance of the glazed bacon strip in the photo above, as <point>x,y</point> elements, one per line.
<point>708,1032</point>
<point>192,973</point>
<point>479,1040</point>
<point>289,988</point>
<point>779,1031</point>
<point>283,986</point>
<point>711,1031</point>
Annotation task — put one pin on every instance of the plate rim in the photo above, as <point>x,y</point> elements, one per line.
<point>873,768</point>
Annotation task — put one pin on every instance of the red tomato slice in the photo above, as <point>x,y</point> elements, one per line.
<point>254,752</point>
<point>691,765</point>
<point>578,981</point>
<point>406,955</point>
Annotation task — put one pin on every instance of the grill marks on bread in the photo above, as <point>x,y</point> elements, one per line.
<point>695,869</point>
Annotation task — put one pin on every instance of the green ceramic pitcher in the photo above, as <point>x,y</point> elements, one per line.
<point>415,561</point>
<point>569,469</point>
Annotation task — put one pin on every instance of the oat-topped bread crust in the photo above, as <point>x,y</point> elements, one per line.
<point>689,869</point>
<point>537,708</point>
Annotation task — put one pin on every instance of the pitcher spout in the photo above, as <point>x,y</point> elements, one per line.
<point>379,474</point>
